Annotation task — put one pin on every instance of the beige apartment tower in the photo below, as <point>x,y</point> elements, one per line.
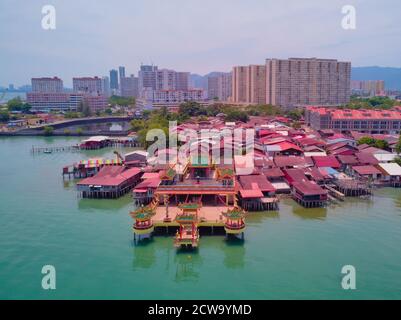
<point>300,82</point>
<point>249,84</point>
<point>240,84</point>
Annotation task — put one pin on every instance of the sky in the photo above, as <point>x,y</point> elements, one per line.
<point>94,36</point>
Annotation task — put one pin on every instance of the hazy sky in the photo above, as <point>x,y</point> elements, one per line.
<point>93,36</point>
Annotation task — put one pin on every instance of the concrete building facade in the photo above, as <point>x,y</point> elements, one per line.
<point>46,84</point>
<point>129,86</point>
<point>365,121</point>
<point>87,85</point>
<point>300,82</point>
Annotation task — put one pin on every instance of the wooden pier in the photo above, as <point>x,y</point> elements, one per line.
<point>55,149</point>
<point>334,193</point>
<point>353,188</point>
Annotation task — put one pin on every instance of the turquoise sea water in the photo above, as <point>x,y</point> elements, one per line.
<point>295,253</point>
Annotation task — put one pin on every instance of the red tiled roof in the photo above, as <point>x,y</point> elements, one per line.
<point>346,114</point>
<point>150,175</point>
<point>342,114</point>
<point>309,188</point>
<point>310,142</point>
<point>314,173</point>
<point>326,161</point>
<point>111,176</point>
<point>149,183</point>
<point>344,151</point>
<point>348,159</point>
<point>251,193</point>
<point>366,158</point>
<point>273,173</point>
<point>258,181</point>
<point>336,146</point>
<point>294,175</point>
<point>288,146</point>
<point>292,161</point>
<point>366,170</point>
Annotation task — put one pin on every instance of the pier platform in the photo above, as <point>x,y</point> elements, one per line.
<point>209,216</point>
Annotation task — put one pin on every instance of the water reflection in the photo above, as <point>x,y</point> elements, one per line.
<point>68,184</point>
<point>310,213</point>
<point>258,217</point>
<point>112,205</point>
<point>144,254</point>
<point>187,265</point>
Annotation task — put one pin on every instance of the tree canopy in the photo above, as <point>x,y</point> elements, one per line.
<point>17,104</point>
<point>384,103</point>
<point>122,101</point>
<point>377,143</point>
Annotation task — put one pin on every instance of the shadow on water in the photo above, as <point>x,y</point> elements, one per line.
<point>234,253</point>
<point>112,205</point>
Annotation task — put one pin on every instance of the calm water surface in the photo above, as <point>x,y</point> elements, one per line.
<point>295,253</point>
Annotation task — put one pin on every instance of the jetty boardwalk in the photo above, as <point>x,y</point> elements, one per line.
<point>91,143</point>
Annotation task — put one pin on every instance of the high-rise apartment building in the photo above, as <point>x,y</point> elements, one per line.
<point>47,84</point>
<point>370,87</point>
<point>249,84</point>
<point>165,79</point>
<point>88,85</point>
<point>152,78</point>
<point>300,82</point>
<point>213,88</point>
<point>113,79</point>
<point>182,81</point>
<point>240,84</point>
<point>129,86</point>
<point>219,87</point>
<point>121,73</point>
<point>106,86</point>
<point>257,84</point>
<point>147,77</point>
<point>225,86</point>
<point>293,82</point>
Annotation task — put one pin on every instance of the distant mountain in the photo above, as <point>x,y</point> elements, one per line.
<point>391,76</point>
<point>198,81</point>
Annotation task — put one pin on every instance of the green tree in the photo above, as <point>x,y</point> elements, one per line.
<point>192,109</point>
<point>377,143</point>
<point>137,125</point>
<point>381,144</point>
<point>48,131</point>
<point>67,132</point>
<point>71,115</point>
<point>17,104</point>
<point>237,115</point>
<point>4,116</point>
<point>122,101</point>
<point>79,131</point>
<point>366,140</point>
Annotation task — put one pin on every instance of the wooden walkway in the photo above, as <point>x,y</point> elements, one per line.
<point>37,150</point>
<point>75,148</point>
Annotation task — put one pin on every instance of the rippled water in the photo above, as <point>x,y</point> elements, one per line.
<point>295,253</point>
